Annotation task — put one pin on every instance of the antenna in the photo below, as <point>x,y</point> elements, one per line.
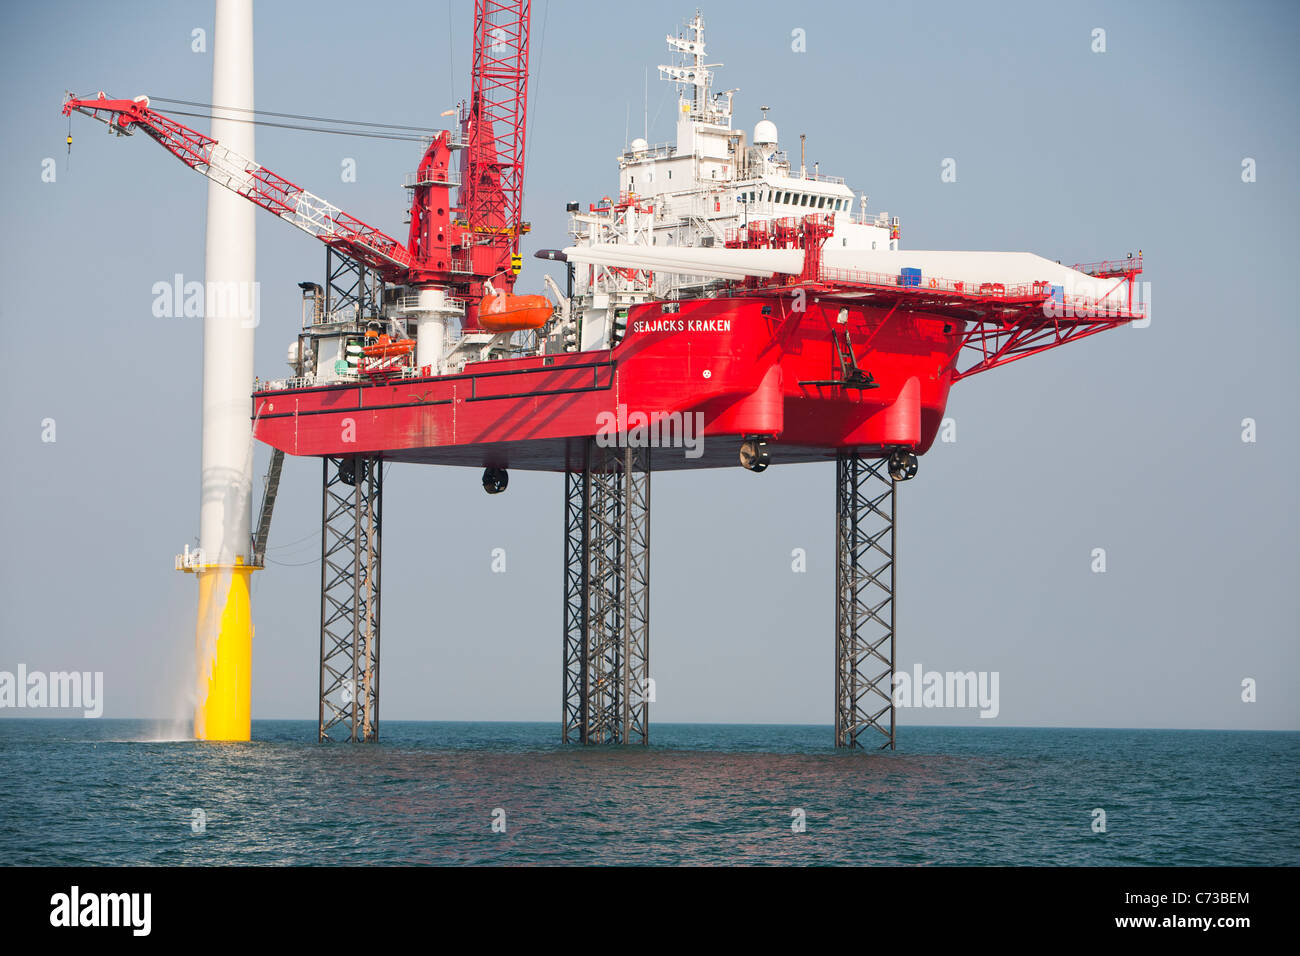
<point>803,152</point>
<point>646,133</point>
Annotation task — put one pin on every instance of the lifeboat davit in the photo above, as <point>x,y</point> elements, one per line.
<point>503,312</point>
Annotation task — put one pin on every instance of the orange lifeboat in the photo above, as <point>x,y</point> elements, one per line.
<point>386,347</point>
<point>503,312</point>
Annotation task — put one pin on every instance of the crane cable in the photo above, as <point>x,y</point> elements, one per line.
<point>537,87</point>
<point>305,129</point>
<point>296,116</point>
<point>389,131</point>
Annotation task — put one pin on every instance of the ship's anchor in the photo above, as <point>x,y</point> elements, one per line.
<point>495,480</point>
<point>754,454</point>
<point>348,471</point>
<point>902,464</point>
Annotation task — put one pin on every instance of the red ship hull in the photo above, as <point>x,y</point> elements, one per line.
<point>741,367</point>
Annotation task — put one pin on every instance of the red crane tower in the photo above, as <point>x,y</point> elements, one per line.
<point>494,123</point>
<point>452,247</point>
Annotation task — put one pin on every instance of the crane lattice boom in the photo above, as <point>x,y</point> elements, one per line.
<point>494,126</point>
<point>289,201</point>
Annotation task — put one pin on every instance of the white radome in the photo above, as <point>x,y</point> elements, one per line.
<point>765,133</point>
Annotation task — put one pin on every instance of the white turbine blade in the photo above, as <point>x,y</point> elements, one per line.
<point>719,263</point>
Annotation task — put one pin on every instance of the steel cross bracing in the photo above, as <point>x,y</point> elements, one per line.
<point>349,286</point>
<point>351,509</point>
<point>866,511</point>
<point>607,597</point>
<point>577,507</point>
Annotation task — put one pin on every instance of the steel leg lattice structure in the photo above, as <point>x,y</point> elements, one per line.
<point>607,686</point>
<point>348,285</point>
<point>866,514</point>
<point>351,539</point>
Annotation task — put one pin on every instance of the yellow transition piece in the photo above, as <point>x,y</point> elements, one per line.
<point>225,654</point>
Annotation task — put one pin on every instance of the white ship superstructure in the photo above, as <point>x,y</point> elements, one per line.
<point>689,194</point>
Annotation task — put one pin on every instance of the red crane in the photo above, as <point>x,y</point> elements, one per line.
<point>494,126</point>
<point>453,246</point>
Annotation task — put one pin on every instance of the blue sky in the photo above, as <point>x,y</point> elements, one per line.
<point>1130,441</point>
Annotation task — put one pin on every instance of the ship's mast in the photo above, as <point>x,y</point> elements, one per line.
<point>693,72</point>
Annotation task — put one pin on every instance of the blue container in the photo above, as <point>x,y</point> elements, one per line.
<point>910,277</point>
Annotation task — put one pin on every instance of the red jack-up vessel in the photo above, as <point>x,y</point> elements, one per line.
<point>726,307</point>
